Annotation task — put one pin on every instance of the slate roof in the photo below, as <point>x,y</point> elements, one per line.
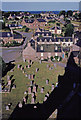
<point>17,36</point>
<point>29,20</point>
<point>41,20</point>
<point>5,34</point>
<point>41,33</point>
<point>53,28</point>
<point>48,48</point>
<point>43,39</point>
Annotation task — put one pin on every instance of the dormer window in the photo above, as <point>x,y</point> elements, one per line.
<point>41,47</point>
<point>50,40</point>
<point>45,40</point>
<point>64,40</point>
<point>40,40</point>
<point>56,47</point>
<point>68,40</point>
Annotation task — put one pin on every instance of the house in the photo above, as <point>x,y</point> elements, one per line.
<point>11,17</point>
<point>33,23</point>
<point>45,47</point>
<point>14,26</point>
<point>8,37</point>
<point>55,30</point>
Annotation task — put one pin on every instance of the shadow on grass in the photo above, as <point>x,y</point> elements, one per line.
<point>8,68</point>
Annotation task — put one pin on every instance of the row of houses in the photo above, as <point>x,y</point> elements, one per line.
<point>45,46</point>
<point>8,37</point>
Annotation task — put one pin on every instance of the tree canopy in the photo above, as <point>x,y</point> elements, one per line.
<point>69,30</point>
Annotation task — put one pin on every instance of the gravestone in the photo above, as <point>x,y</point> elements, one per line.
<point>32,94</point>
<point>32,76</point>
<point>56,84</point>
<point>25,67</point>
<point>20,105</point>
<point>26,75</point>
<point>48,66</point>
<point>9,82</point>
<point>37,69</point>
<point>14,86</point>
<point>18,66</point>
<point>34,89</point>
<point>24,60</point>
<point>52,87</point>
<point>23,72</point>
<point>28,66</point>
<point>40,61</point>
<point>31,82</point>
<point>21,68</point>
<point>29,90</point>
<point>24,99</point>
<point>45,98</point>
<point>7,107</point>
<point>47,82</point>
<point>25,92</point>
<point>42,90</point>
<point>29,76</point>
<point>47,94</point>
<point>32,100</point>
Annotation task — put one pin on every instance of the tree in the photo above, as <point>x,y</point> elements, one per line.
<point>69,30</point>
<point>62,13</point>
<point>27,29</point>
<point>80,16</point>
<point>69,13</point>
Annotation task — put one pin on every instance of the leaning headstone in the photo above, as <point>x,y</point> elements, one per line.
<point>32,100</point>
<point>23,72</point>
<point>47,82</point>
<point>52,87</point>
<point>20,105</point>
<point>42,90</point>
<point>29,90</point>
<point>45,98</point>
<point>7,107</point>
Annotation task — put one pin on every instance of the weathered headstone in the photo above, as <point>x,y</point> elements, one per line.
<point>34,89</point>
<point>7,107</point>
<point>42,90</point>
<point>26,75</point>
<point>29,76</point>
<point>24,60</point>
<point>32,76</point>
<point>20,105</point>
<point>25,67</point>
<point>9,82</point>
<point>28,66</point>
<point>52,87</point>
<point>29,90</point>
<point>47,82</point>
<point>14,86</point>
<point>37,69</point>
<point>45,98</point>
<point>21,68</point>
<point>18,66</point>
<point>32,94</point>
<point>56,84</point>
<point>32,100</point>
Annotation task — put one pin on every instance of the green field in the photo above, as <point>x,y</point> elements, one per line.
<point>22,83</point>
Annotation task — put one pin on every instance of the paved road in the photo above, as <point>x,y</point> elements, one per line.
<point>12,53</point>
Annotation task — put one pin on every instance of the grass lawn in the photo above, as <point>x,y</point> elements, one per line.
<point>22,84</point>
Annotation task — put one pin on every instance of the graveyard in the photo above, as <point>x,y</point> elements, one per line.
<point>29,82</point>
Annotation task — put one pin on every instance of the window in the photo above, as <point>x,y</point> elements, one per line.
<point>41,54</point>
<point>41,47</point>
